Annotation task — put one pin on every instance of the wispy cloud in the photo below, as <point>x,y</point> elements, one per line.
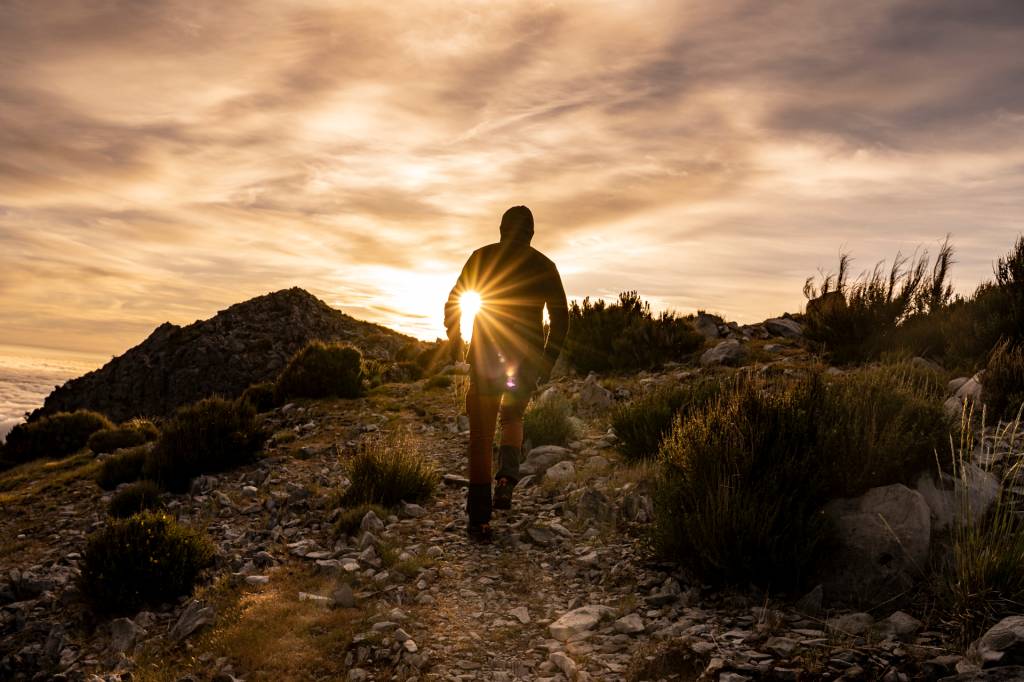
<point>162,160</point>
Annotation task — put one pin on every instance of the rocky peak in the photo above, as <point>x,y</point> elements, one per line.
<point>247,343</point>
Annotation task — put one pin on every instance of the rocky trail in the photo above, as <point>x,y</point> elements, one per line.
<point>568,590</point>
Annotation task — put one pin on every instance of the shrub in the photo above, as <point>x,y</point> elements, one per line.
<point>548,421</point>
<point>208,436</point>
<point>350,519</point>
<point>642,423</point>
<point>261,396</point>
<point>439,381</point>
<point>858,321</point>
<point>133,499</point>
<point>626,335</point>
<point>743,479</point>
<point>145,559</point>
<point>122,467</point>
<point>983,582</point>
<point>56,435</point>
<point>402,372</point>
<point>129,434</point>
<point>322,370</point>
<point>1003,381</point>
<point>387,470</point>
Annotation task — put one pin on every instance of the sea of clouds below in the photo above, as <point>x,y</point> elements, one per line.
<point>25,381</point>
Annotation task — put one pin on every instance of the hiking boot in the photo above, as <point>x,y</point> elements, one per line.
<point>503,493</point>
<point>478,509</point>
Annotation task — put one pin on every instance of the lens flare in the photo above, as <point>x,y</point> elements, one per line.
<point>469,305</point>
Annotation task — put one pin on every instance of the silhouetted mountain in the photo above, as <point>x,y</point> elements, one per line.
<point>248,343</point>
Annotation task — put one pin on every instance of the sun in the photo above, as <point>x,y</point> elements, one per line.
<point>469,305</point>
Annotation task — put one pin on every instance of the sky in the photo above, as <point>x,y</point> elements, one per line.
<point>161,159</point>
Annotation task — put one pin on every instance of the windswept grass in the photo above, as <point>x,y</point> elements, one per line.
<point>388,469</point>
<point>548,421</point>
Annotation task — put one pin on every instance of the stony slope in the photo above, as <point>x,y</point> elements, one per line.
<point>247,343</point>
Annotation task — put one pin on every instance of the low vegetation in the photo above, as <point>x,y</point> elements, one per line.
<point>1003,381</point>
<point>134,498</point>
<point>625,335</point>
<point>743,479</point>
<point>548,421</point>
<point>983,581</point>
<point>911,310</point>
<point>350,519</point>
<point>122,467</point>
<point>129,434</point>
<point>261,396</point>
<point>53,436</point>
<point>643,422</point>
<point>322,370</point>
<point>146,559</point>
<point>206,437</point>
<point>389,469</point>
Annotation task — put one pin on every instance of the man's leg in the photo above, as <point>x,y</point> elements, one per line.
<point>482,408</point>
<point>513,407</point>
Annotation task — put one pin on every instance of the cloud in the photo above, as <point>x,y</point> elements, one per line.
<point>163,160</point>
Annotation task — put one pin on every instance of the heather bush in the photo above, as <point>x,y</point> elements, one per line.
<point>134,498</point>
<point>322,370</point>
<point>389,469</point>
<point>742,479</point>
<point>1003,381</point>
<point>208,436</point>
<point>643,422</point>
<point>129,434</point>
<point>122,467</point>
<point>548,421</point>
<point>625,335</point>
<point>261,396</point>
<point>146,559</point>
<point>53,436</point>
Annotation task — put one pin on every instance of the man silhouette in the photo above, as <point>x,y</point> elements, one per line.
<point>508,354</point>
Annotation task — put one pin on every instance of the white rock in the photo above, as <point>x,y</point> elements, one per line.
<point>564,663</point>
<point>540,459</point>
<point>371,522</point>
<point>561,472</point>
<point>578,620</point>
<point>631,624</point>
<point>594,396</point>
<point>782,326</point>
<point>728,352</point>
<point>520,613</point>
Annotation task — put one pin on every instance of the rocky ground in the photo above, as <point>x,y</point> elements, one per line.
<point>568,590</point>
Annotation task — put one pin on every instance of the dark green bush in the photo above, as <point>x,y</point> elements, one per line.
<point>742,480</point>
<point>208,436</point>
<point>146,559</point>
<point>129,434</point>
<point>387,470</point>
<point>261,396</point>
<point>1003,381</point>
<point>350,519</point>
<point>548,421</point>
<point>122,467</point>
<point>438,381</point>
<point>134,498</point>
<point>322,370</point>
<point>625,335</point>
<point>402,372</point>
<point>56,435</point>
<point>642,423</point>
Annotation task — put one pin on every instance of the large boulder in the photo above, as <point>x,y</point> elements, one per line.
<point>707,325</point>
<point>883,540</point>
<point>783,326</point>
<point>728,352</point>
<point>968,391</point>
<point>967,497</point>
<point>542,458</point>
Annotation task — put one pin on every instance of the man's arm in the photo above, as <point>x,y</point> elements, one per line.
<point>558,316</point>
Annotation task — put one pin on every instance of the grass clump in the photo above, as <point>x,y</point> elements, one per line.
<point>146,559</point>
<point>261,396</point>
<point>389,469</point>
<point>1003,381</point>
<point>135,498</point>
<point>208,436</point>
<point>548,421</point>
<point>625,335</point>
<point>350,519</point>
<point>642,423</point>
<point>122,467</point>
<point>742,479</point>
<point>129,434</point>
<point>53,436</point>
<point>322,370</point>
<point>983,582</point>
<point>438,381</point>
